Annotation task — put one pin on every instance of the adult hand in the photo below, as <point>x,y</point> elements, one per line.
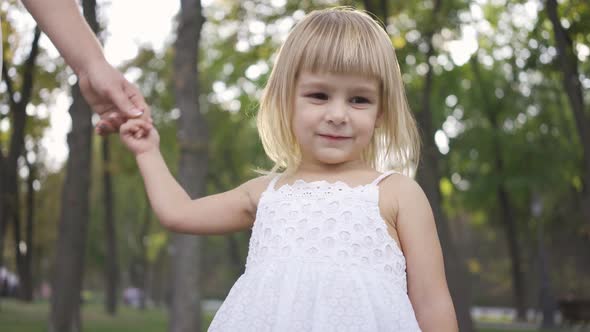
<point>111,96</point>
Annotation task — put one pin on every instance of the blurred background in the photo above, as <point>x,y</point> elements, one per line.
<point>501,91</point>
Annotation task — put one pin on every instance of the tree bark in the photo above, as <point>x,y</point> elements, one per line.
<point>71,244</point>
<point>233,245</point>
<point>27,260</point>
<point>8,191</point>
<point>573,88</point>
<point>193,141</point>
<point>381,10</point>
<point>507,211</point>
<point>514,249</point>
<point>429,177</point>
<point>140,264</point>
<point>547,301</point>
<point>111,258</point>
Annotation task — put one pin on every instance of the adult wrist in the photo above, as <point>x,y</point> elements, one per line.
<point>86,65</point>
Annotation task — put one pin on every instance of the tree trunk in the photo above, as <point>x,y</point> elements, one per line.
<point>510,229</point>
<point>27,261</point>
<point>429,177</point>
<point>159,275</point>
<point>507,212</point>
<point>111,259</point>
<point>457,277</point>
<point>71,244</point>
<point>234,255</point>
<point>547,300</point>
<point>8,191</point>
<point>140,265</point>
<point>571,83</point>
<point>193,141</point>
<point>19,252</point>
<point>381,10</point>
<point>233,245</point>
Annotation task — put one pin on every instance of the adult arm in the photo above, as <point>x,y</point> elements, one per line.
<point>106,90</point>
<point>68,30</point>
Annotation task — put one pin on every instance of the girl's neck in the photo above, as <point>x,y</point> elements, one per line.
<point>307,171</point>
<point>308,167</point>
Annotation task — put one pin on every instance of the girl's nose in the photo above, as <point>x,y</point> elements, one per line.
<point>337,112</point>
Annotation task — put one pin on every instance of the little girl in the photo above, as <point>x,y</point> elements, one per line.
<point>336,245</point>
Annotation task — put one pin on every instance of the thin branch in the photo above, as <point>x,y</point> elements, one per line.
<point>27,89</point>
<point>8,82</point>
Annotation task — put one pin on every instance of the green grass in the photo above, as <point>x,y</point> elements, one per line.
<point>17,316</point>
<point>22,317</point>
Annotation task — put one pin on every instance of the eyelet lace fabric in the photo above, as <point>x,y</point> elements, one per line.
<point>320,259</point>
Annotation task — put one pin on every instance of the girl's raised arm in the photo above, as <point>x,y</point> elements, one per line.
<point>427,284</point>
<point>216,214</point>
<point>226,212</point>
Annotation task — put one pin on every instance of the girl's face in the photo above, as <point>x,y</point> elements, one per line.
<point>334,117</point>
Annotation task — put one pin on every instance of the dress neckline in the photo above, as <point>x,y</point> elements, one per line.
<point>322,184</point>
<point>338,184</point>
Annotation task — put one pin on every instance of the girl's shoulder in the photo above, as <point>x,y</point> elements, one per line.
<point>400,186</point>
<point>256,186</point>
<point>398,181</point>
<point>396,192</point>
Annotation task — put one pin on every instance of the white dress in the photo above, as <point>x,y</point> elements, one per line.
<point>320,259</point>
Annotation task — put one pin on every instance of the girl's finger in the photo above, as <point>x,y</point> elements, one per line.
<point>128,128</point>
<point>139,133</point>
<point>116,120</point>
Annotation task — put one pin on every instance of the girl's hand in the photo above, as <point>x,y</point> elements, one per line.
<point>139,136</point>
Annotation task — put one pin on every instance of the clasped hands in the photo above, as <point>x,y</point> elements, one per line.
<point>111,96</point>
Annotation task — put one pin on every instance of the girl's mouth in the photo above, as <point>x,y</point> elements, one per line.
<point>334,138</point>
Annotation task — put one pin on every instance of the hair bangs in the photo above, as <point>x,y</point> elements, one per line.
<point>341,43</point>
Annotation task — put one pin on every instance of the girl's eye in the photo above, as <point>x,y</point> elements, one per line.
<point>318,95</point>
<point>359,100</point>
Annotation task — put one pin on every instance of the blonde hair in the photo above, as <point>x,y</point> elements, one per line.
<point>339,40</point>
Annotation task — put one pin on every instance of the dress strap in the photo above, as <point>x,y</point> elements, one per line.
<point>271,184</point>
<point>382,176</point>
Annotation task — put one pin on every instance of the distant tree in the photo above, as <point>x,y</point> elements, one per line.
<point>111,257</point>
<point>10,208</point>
<point>193,140</point>
<point>68,268</point>
<point>568,65</point>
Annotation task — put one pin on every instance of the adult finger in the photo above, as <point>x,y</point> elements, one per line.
<point>105,127</point>
<point>137,99</point>
<point>122,101</point>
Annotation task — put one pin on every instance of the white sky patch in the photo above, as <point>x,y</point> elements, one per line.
<point>132,23</point>
<point>461,50</point>
<point>54,140</point>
